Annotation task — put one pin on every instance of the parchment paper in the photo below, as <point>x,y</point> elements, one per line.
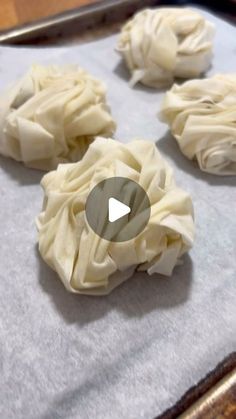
<point>134,353</point>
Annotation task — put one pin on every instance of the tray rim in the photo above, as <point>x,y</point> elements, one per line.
<point>97,11</point>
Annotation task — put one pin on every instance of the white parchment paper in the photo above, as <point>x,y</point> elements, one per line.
<point>134,353</point>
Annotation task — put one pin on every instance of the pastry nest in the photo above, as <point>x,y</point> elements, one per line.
<point>51,115</point>
<point>89,264</point>
<point>202,117</point>
<point>161,44</point>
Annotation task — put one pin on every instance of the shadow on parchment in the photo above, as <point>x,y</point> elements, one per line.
<point>21,174</point>
<point>168,145</point>
<point>123,73</point>
<point>136,297</point>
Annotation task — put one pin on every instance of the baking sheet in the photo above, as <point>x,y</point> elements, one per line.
<point>134,353</point>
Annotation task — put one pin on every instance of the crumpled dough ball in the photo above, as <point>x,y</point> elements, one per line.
<point>202,117</point>
<point>85,262</point>
<point>160,44</point>
<point>52,115</point>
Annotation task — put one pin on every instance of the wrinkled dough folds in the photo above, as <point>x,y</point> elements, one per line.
<point>52,115</point>
<point>160,44</point>
<point>202,117</point>
<point>89,264</point>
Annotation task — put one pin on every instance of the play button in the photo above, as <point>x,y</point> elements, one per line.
<point>117,209</point>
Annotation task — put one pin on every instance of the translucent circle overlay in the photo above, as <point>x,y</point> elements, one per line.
<point>129,193</point>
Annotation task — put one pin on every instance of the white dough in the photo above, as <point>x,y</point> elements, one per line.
<point>51,116</point>
<point>89,264</point>
<point>202,117</point>
<point>163,43</point>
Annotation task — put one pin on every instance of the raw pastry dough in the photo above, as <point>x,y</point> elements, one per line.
<point>51,116</point>
<point>160,44</point>
<point>90,265</point>
<point>202,117</point>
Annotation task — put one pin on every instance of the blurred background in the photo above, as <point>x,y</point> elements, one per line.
<point>17,12</point>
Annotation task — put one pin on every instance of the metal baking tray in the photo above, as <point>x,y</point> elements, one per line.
<point>77,21</point>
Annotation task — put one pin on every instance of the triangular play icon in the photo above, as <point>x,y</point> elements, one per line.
<point>116,209</point>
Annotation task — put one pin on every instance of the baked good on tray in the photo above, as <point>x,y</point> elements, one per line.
<point>163,43</point>
<point>51,115</point>
<point>89,264</point>
<point>201,115</point>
